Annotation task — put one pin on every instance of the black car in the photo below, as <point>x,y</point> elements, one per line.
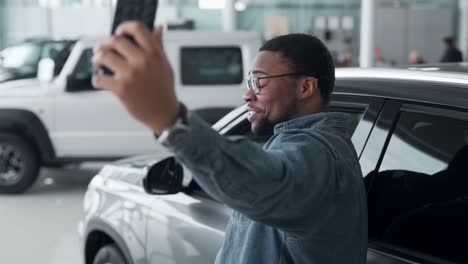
<point>461,67</point>
<point>21,61</point>
<point>410,130</point>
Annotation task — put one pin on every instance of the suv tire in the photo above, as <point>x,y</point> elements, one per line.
<point>19,164</point>
<point>109,254</point>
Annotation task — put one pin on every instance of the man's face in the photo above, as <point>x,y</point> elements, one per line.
<point>277,100</point>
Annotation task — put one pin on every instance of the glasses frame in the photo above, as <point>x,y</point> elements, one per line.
<point>253,83</point>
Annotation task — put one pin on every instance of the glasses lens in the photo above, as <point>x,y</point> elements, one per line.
<point>256,85</point>
<point>252,84</point>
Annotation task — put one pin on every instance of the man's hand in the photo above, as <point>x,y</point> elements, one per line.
<point>143,78</point>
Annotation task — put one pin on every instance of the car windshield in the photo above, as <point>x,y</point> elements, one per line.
<point>20,56</point>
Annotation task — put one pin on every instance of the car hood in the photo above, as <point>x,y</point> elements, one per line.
<point>8,74</point>
<point>132,170</point>
<point>141,161</point>
<point>26,87</point>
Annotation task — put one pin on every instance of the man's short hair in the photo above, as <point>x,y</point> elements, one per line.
<point>306,54</point>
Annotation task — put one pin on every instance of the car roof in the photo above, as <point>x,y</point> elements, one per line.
<point>446,67</point>
<point>436,87</point>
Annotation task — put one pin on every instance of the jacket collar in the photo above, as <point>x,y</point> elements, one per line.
<point>327,119</point>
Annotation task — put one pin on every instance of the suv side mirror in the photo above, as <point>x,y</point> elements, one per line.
<point>79,82</point>
<point>45,70</point>
<point>164,177</point>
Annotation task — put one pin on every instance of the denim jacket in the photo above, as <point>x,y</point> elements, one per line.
<point>299,199</point>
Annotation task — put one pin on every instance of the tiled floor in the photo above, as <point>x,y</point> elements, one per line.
<point>41,225</point>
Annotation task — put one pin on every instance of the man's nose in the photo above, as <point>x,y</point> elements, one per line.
<point>249,95</point>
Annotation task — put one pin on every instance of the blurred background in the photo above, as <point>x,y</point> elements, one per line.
<point>398,27</point>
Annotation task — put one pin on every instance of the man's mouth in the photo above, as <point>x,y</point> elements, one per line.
<point>252,114</point>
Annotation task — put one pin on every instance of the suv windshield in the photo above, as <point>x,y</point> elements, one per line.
<point>20,56</point>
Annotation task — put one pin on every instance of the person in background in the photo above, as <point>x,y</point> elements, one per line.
<point>415,57</point>
<point>451,53</point>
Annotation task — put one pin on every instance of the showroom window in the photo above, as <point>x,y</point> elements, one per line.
<point>418,200</point>
<point>211,65</point>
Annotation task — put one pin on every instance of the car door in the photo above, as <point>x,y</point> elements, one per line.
<point>92,123</point>
<point>415,168</point>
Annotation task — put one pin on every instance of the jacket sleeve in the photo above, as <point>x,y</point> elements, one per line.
<point>273,186</point>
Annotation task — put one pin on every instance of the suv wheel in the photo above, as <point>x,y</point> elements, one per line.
<point>109,254</point>
<point>19,165</point>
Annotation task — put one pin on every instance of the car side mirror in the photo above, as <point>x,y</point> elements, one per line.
<point>164,177</point>
<point>79,82</point>
<point>45,70</point>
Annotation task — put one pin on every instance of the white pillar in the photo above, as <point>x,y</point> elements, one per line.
<point>463,28</point>
<point>178,10</point>
<point>367,33</point>
<point>229,16</point>
<point>49,19</point>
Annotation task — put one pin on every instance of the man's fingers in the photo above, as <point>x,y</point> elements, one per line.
<point>111,60</point>
<point>158,35</point>
<point>106,82</point>
<point>138,31</point>
<point>123,46</point>
<point>158,41</point>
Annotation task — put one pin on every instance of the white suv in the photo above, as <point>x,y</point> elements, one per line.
<point>52,121</point>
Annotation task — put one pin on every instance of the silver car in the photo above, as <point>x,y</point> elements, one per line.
<point>410,130</point>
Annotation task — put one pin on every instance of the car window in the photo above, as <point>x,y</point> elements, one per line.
<point>84,66</point>
<point>59,52</point>
<point>354,117</point>
<point>211,65</point>
<point>418,198</point>
<point>51,49</point>
<point>20,56</point>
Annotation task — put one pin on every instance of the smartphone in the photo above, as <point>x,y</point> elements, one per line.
<point>142,10</point>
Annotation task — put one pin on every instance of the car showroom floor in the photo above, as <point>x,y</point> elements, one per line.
<point>41,225</point>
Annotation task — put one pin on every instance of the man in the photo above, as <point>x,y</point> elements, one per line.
<point>301,198</point>
<point>451,53</point>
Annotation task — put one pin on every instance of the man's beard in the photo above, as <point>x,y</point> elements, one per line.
<point>263,127</point>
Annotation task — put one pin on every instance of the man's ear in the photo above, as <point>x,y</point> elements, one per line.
<point>309,87</point>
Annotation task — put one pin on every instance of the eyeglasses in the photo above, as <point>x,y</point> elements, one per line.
<point>253,83</point>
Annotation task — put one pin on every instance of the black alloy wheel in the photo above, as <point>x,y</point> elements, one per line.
<point>19,164</point>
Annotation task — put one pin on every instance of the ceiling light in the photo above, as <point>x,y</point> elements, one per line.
<point>240,6</point>
<point>211,4</point>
